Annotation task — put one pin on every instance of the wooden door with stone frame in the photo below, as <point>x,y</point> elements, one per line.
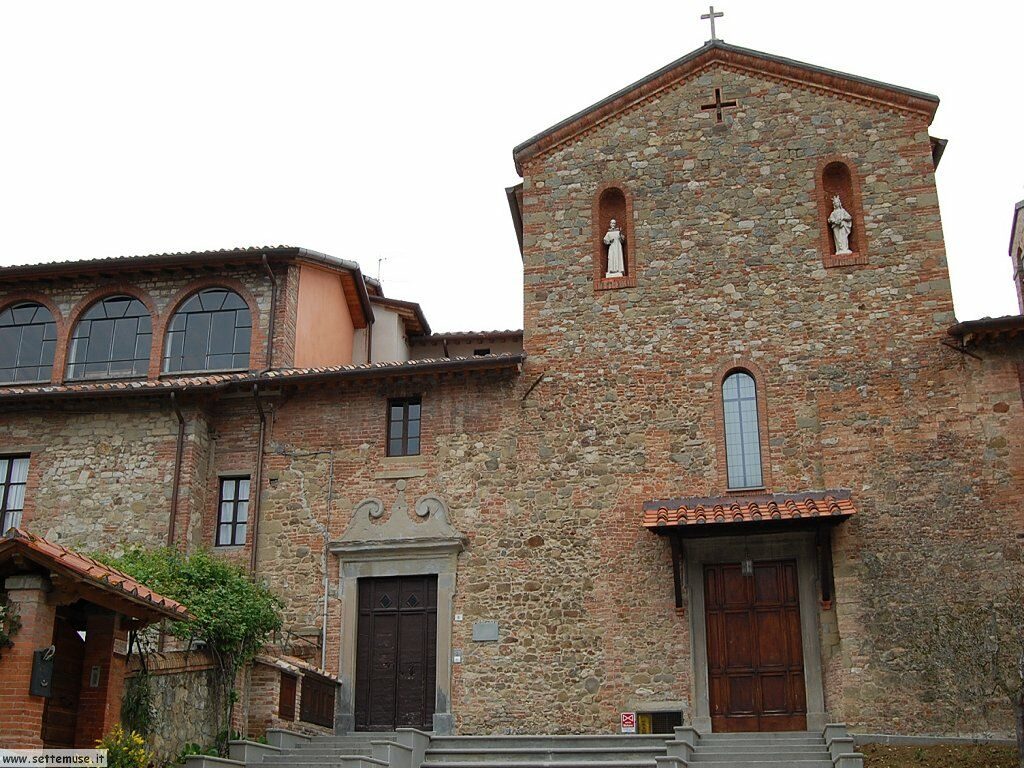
<point>396,653</point>
<point>755,650</point>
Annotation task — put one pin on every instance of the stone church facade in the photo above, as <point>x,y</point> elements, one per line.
<point>702,490</point>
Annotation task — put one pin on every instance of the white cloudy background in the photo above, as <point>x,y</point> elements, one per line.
<point>385,130</point>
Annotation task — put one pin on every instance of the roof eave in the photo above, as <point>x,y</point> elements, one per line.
<point>514,195</point>
<point>900,97</point>
<point>279,377</point>
<point>1013,228</point>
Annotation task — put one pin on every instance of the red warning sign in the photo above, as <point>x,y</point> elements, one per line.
<point>627,722</point>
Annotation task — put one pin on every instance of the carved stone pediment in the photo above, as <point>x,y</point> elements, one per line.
<point>374,529</point>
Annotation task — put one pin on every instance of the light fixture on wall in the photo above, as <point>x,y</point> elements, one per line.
<point>747,566</point>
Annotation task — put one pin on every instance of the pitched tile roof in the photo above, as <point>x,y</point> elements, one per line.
<point>507,333</point>
<point>970,331</point>
<point>218,381</point>
<point>60,559</point>
<point>765,507</point>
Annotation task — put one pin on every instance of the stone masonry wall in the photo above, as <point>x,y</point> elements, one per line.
<point>99,478</point>
<point>860,392</point>
<point>184,711</point>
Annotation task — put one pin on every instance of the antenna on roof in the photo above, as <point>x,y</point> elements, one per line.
<point>380,261</point>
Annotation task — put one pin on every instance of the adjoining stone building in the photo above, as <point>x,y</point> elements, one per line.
<point>694,490</point>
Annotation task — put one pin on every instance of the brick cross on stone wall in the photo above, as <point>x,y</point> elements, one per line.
<point>719,105</point>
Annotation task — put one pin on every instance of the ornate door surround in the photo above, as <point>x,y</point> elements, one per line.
<point>418,542</point>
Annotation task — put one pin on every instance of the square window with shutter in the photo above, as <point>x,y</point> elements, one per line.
<point>286,699</point>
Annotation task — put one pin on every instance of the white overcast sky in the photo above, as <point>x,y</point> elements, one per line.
<point>384,130</point>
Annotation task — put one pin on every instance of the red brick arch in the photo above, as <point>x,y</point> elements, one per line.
<point>853,204</point>
<point>761,387</point>
<point>257,341</point>
<point>103,292</point>
<point>602,283</point>
<point>58,319</point>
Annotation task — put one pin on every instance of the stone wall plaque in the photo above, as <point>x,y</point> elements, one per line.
<point>485,631</point>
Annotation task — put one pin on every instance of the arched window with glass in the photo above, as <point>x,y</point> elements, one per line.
<point>28,339</point>
<point>112,340</point>
<point>742,431</point>
<point>211,331</point>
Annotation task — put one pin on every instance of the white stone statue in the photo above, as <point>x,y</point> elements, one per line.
<point>841,222</point>
<point>614,239</point>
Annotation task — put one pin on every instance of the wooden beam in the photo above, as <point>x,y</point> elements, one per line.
<point>677,558</point>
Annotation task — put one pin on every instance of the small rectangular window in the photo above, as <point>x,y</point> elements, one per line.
<point>233,511</point>
<point>404,426</point>
<point>482,352</point>
<point>13,478</point>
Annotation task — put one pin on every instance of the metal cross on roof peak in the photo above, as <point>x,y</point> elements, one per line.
<point>711,16</point>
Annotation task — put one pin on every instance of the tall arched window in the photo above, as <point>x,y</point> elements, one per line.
<point>210,332</point>
<point>28,339</point>
<point>742,432</point>
<point>112,339</point>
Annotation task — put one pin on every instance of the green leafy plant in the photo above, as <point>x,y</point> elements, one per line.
<point>232,615</point>
<point>10,623</point>
<point>137,707</point>
<point>195,749</point>
<point>125,749</point>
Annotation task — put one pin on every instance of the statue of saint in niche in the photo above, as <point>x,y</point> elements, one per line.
<point>615,238</point>
<point>841,222</point>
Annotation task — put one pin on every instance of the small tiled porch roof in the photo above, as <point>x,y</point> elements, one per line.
<point>112,587</point>
<point>661,516</point>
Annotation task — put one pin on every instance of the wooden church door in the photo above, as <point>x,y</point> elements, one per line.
<point>755,650</point>
<point>396,653</point>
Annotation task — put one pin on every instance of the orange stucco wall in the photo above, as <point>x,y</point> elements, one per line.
<point>323,326</point>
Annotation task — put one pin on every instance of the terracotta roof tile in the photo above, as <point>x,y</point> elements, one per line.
<point>282,375</point>
<point>509,333</point>
<point>713,510</point>
<point>51,555</point>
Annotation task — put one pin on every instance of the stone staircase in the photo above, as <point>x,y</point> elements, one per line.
<point>610,751</point>
<point>410,748</point>
<point>761,750</point>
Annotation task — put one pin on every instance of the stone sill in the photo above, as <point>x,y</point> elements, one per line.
<point>613,283</point>
<point>846,260</point>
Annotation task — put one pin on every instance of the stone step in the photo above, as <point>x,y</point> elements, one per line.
<point>317,757</point>
<point>500,760</point>
<point>709,756</point>
<point>570,741</point>
<point>743,746</point>
<point>602,754</point>
<point>773,736</point>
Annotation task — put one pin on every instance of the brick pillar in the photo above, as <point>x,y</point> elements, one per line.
<point>21,714</point>
<point>99,703</point>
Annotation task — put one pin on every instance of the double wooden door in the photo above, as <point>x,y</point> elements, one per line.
<point>755,650</point>
<point>396,653</point>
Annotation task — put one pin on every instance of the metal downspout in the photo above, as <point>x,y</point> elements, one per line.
<point>176,480</point>
<point>257,480</point>
<point>269,357</point>
<point>327,560</point>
